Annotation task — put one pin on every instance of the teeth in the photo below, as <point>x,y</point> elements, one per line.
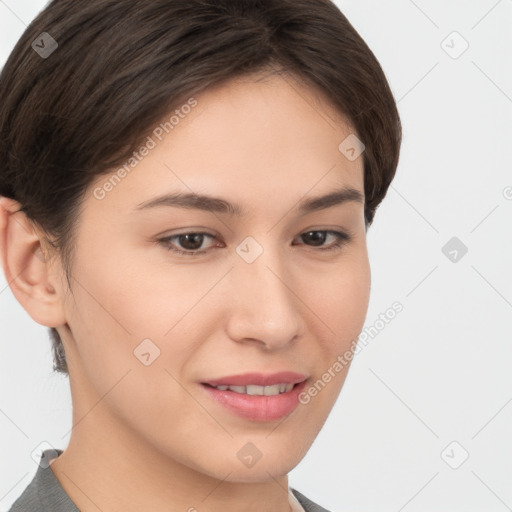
<point>252,389</point>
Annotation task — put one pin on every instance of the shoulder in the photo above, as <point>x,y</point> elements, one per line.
<point>28,500</point>
<point>44,493</point>
<point>307,504</point>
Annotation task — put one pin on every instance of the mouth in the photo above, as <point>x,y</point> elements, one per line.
<point>255,390</point>
<point>257,397</point>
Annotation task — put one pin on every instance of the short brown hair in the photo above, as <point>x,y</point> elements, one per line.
<point>121,66</point>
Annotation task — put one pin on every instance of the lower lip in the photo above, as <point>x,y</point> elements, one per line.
<point>257,407</point>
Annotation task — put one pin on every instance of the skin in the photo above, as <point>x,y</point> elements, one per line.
<point>148,437</point>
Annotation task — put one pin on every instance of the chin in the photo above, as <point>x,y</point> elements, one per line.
<point>267,468</point>
<point>261,472</point>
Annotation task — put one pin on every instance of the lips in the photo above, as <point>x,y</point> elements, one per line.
<point>257,396</point>
<point>254,390</point>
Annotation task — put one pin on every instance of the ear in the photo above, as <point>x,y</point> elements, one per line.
<point>26,267</point>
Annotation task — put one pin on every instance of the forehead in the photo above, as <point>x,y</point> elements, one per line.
<point>257,137</point>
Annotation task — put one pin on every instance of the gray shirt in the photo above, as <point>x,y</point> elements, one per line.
<point>45,494</point>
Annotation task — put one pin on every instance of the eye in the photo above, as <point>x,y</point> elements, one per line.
<point>190,241</point>
<point>193,241</point>
<point>341,238</point>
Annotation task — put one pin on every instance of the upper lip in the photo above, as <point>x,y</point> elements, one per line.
<point>258,379</point>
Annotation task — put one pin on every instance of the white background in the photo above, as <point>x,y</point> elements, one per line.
<point>440,371</point>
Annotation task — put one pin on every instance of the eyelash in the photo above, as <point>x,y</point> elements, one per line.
<point>342,239</point>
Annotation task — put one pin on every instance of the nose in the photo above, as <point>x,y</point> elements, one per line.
<point>264,310</point>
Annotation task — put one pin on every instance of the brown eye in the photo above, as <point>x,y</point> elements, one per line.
<point>190,242</point>
<point>318,238</point>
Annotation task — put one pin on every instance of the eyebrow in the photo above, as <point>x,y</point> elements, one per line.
<point>219,205</point>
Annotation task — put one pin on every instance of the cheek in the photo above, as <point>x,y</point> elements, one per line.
<point>339,301</point>
<point>115,310</point>
<point>340,305</point>
<point>140,300</point>
<point>121,304</point>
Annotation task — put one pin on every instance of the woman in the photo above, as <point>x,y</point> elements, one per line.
<point>186,189</point>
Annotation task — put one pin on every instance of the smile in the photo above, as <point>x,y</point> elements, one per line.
<point>253,389</point>
<point>255,396</point>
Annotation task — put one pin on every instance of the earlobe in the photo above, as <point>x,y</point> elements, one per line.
<point>26,268</point>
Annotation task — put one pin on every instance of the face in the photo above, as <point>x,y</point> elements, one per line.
<point>276,286</point>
